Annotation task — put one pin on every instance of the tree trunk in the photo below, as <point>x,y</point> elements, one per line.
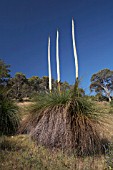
<point>109,99</point>
<point>107,93</point>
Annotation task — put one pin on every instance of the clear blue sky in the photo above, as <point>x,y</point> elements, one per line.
<point>26,24</point>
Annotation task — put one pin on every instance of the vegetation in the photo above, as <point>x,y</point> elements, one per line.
<point>109,156</point>
<point>4,73</point>
<point>21,87</point>
<point>9,118</point>
<point>62,122</point>
<point>40,102</point>
<point>18,86</point>
<point>102,82</point>
<point>20,152</point>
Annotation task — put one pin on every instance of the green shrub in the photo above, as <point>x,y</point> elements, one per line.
<point>9,119</point>
<point>52,99</point>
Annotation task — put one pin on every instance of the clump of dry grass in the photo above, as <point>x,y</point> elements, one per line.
<point>20,152</point>
<point>65,122</point>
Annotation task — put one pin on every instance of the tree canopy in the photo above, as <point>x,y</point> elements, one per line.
<point>102,82</point>
<point>4,72</point>
<point>19,86</point>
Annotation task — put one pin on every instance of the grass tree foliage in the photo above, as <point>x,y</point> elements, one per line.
<point>64,120</point>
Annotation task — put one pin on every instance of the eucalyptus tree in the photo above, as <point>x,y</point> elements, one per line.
<point>4,72</point>
<point>44,84</point>
<point>102,82</point>
<point>34,83</point>
<point>17,84</point>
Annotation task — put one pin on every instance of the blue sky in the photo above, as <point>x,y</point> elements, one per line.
<point>26,24</point>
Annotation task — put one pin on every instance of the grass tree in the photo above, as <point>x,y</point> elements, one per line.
<point>59,120</point>
<point>64,120</point>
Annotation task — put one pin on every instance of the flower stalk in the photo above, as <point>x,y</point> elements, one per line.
<point>57,60</point>
<point>49,66</point>
<point>74,49</point>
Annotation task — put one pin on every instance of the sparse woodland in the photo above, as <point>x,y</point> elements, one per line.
<point>58,130</point>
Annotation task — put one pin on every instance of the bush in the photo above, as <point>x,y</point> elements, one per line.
<point>109,156</point>
<point>64,120</point>
<point>9,119</point>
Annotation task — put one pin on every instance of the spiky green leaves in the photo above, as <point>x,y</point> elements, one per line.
<point>47,100</point>
<point>9,120</point>
<point>80,105</point>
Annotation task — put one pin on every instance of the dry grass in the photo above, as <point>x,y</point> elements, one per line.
<point>24,154</point>
<point>24,104</point>
<point>105,119</point>
<point>20,152</point>
<point>24,109</point>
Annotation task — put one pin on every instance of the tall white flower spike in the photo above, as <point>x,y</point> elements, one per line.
<point>57,60</point>
<point>49,66</point>
<point>74,49</point>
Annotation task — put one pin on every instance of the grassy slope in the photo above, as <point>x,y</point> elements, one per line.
<point>20,152</point>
